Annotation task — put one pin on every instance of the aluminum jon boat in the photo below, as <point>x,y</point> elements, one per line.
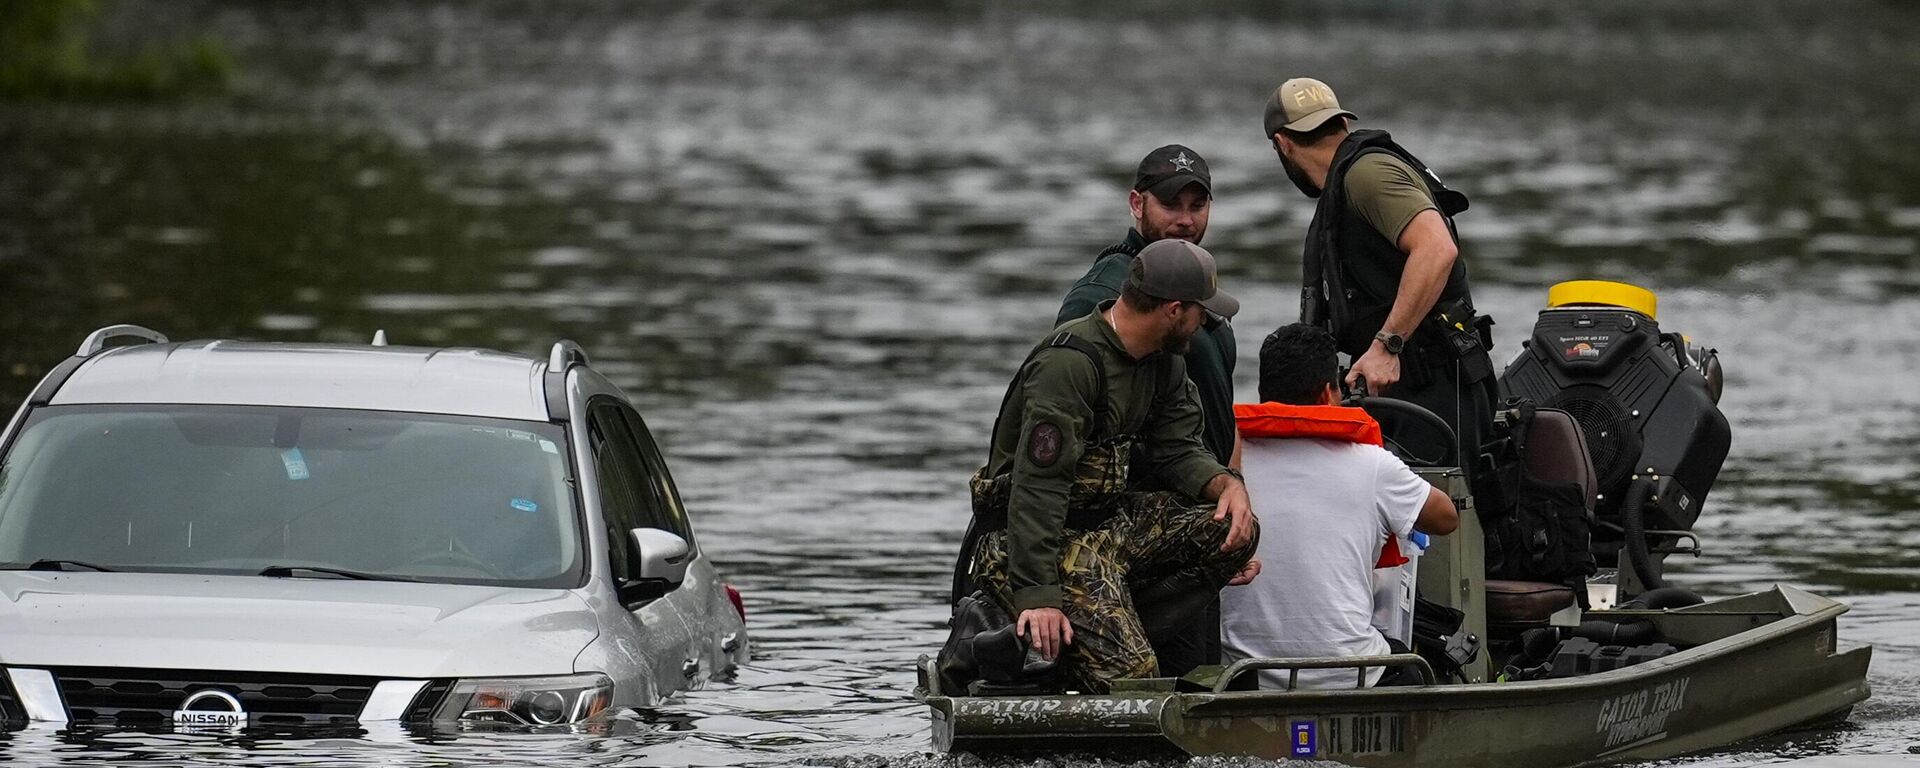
<point>1627,424</point>
<point>1759,663</point>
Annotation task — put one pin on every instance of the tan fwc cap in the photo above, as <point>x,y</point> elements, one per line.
<point>1301,105</point>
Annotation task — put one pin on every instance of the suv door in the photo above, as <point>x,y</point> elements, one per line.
<point>629,498</point>
<point>698,596</point>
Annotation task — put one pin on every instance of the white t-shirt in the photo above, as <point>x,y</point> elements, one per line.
<point>1325,507</point>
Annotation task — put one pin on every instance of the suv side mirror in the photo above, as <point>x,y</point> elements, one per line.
<point>664,556</point>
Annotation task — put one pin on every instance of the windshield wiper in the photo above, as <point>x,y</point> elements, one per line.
<point>288,571</point>
<point>58,565</point>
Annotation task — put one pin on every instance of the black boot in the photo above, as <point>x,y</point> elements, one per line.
<point>982,647</point>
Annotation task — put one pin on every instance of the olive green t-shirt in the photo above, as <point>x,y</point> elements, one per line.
<point>1386,193</point>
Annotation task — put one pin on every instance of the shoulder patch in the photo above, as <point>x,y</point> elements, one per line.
<point>1043,444</point>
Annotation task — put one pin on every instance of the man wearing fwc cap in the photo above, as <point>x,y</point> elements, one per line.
<point>1099,404</point>
<point>1382,270</point>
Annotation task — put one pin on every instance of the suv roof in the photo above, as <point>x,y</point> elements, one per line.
<point>459,381</point>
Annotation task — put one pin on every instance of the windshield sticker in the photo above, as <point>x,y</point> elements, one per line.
<point>296,464</point>
<point>519,434</point>
<point>524,505</point>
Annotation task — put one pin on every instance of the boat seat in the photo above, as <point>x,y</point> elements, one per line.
<point>1557,452</point>
<point>1514,603</point>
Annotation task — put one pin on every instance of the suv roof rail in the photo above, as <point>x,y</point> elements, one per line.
<point>94,344</point>
<point>565,355</point>
<point>97,341</point>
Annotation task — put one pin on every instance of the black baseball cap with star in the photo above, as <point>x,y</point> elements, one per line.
<point>1169,169</point>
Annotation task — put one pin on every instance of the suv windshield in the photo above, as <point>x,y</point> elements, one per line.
<point>241,490</point>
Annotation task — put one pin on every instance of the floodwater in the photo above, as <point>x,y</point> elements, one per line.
<point>812,239</point>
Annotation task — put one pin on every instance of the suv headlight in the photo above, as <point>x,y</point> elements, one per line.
<point>527,700</point>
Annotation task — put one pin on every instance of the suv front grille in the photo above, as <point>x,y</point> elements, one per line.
<point>146,697</point>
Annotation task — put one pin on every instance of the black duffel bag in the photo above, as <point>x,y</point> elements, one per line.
<point>1535,501</point>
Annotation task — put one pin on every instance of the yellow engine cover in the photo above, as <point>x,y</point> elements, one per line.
<point>1604,292</point>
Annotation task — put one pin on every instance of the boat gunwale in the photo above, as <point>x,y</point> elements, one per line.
<point>1794,620</point>
<point>1800,612</point>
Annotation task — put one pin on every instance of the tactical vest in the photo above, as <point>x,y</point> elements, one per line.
<point>1106,463</point>
<point>1351,273</point>
<point>1102,474</point>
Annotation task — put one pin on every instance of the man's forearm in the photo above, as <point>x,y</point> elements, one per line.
<point>1420,284</point>
<point>1220,484</point>
<point>1036,522</point>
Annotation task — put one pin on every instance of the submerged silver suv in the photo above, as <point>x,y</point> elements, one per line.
<point>226,534</point>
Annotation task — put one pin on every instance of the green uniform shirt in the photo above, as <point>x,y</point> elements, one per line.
<point>1209,361</point>
<point>1043,428</point>
<point>1387,193</point>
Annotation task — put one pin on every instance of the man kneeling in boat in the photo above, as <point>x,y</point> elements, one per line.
<point>1332,495</point>
<point>1065,531</point>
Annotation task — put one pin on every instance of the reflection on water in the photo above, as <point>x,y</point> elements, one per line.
<point>813,243</point>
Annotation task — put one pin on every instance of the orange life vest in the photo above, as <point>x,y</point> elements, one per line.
<point>1326,422</point>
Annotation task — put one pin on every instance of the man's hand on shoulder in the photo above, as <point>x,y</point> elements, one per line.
<point>1233,505</point>
<point>1047,629</point>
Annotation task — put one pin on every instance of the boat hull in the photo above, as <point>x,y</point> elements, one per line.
<point>1759,663</point>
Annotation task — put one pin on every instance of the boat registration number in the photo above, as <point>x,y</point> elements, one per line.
<point>1351,735</point>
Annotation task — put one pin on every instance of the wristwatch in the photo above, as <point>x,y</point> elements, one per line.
<point>1395,342</point>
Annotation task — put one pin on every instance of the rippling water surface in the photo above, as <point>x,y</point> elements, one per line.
<point>812,242</point>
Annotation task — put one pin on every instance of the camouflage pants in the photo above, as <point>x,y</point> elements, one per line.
<point>1152,536</point>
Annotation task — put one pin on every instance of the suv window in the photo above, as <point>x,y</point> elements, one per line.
<point>636,490</point>
<point>624,487</point>
<point>669,514</point>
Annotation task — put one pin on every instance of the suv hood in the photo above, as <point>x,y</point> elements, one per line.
<point>328,626</point>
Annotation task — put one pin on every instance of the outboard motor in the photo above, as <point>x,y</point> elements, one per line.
<point>1646,401</point>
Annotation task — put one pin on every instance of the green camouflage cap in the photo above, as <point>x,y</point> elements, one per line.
<point>1180,271</point>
